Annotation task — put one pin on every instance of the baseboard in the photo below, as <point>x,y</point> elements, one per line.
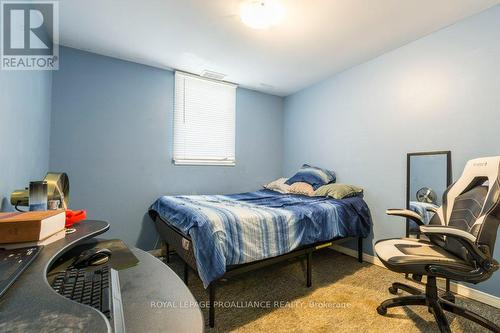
<point>476,295</point>
<point>457,288</point>
<point>354,253</point>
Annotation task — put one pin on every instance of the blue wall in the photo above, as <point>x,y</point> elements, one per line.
<point>438,93</point>
<point>25,103</point>
<point>112,133</point>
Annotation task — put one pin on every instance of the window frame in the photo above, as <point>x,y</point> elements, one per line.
<point>202,162</point>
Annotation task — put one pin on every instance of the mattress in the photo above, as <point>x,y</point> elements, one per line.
<point>241,228</point>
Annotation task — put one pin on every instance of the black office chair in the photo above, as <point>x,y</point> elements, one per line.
<point>461,240</point>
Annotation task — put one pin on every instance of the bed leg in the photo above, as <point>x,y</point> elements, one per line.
<point>211,304</point>
<point>186,273</point>
<point>168,253</point>
<point>309,270</point>
<point>360,249</point>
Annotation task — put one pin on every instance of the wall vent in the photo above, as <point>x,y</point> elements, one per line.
<point>213,75</point>
<point>266,86</point>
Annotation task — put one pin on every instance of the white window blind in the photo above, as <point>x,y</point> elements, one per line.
<point>204,121</point>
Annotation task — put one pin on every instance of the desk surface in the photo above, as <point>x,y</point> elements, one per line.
<point>31,305</point>
<point>155,299</point>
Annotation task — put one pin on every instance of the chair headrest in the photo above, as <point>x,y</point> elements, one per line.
<point>476,172</point>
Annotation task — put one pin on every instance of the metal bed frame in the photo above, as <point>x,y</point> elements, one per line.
<point>183,246</point>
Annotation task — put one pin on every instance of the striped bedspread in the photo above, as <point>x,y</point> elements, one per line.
<point>241,228</point>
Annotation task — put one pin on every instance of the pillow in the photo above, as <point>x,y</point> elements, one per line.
<point>278,185</point>
<point>338,191</point>
<point>302,188</point>
<point>312,175</point>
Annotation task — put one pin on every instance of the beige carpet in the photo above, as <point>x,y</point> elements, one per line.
<point>343,298</point>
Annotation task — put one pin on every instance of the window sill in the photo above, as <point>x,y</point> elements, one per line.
<point>204,163</point>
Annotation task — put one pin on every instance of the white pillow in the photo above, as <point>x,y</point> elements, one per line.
<point>278,185</point>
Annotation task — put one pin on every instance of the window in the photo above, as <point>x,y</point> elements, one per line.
<point>204,121</point>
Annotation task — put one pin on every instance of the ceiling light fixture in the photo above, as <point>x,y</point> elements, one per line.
<point>262,14</point>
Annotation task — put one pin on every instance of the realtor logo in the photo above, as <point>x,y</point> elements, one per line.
<point>30,35</point>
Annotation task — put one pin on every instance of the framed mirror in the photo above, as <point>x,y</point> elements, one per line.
<point>428,175</point>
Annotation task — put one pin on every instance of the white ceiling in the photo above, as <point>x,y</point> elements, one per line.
<point>316,39</point>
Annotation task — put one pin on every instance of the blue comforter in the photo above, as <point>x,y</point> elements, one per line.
<point>241,228</point>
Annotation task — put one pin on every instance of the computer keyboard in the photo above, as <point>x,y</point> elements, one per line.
<point>96,286</point>
<point>13,263</point>
<point>90,287</point>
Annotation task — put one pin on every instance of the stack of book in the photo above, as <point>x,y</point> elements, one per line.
<point>27,229</point>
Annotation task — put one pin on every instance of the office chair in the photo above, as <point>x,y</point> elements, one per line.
<point>460,245</point>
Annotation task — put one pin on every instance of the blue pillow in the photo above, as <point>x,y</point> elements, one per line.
<point>312,175</point>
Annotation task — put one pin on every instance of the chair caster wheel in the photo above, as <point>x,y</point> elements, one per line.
<point>381,310</point>
<point>393,290</point>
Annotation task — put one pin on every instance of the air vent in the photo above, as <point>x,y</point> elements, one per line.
<point>266,86</point>
<point>213,75</point>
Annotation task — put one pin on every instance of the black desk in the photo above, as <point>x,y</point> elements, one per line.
<point>31,305</point>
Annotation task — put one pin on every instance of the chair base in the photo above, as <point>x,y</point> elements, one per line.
<point>447,295</point>
<point>436,305</point>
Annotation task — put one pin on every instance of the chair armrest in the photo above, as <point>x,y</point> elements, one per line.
<point>447,231</point>
<point>409,214</point>
<point>484,263</point>
<point>466,239</point>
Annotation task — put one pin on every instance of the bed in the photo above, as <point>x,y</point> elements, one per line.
<point>223,235</point>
